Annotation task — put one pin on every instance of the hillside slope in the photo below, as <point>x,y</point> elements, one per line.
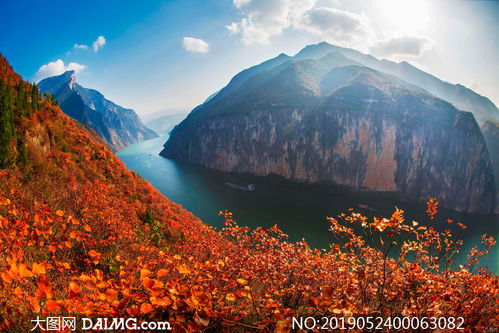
<point>81,236</point>
<point>119,127</point>
<point>64,197</point>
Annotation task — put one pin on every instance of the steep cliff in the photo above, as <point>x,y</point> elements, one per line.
<point>119,127</point>
<point>490,131</point>
<point>331,121</point>
<point>463,98</point>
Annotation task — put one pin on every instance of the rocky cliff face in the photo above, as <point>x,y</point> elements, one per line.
<point>328,121</point>
<point>118,126</point>
<point>490,131</point>
<point>465,99</point>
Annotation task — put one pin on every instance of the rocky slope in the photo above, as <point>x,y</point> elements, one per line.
<point>484,111</point>
<point>331,120</point>
<point>119,127</point>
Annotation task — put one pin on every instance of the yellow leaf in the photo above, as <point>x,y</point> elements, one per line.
<point>242,282</point>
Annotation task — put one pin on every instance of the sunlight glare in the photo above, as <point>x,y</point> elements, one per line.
<point>405,15</point>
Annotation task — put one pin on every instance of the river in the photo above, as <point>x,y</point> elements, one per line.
<point>299,211</point>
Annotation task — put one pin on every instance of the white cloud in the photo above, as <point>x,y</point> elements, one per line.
<point>99,43</point>
<point>56,68</point>
<point>195,45</point>
<point>80,47</point>
<point>402,45</point>
<point>233,27</point>
<point>265,18</point>
<point>336,26</point>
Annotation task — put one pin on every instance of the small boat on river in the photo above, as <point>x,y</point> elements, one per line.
<point>249,187</point>
<point>364,206</point>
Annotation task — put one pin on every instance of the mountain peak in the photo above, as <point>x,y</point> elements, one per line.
<point>316,50</point>
<point>67,78</point>
<point>118,126</point>
<point>70,77</point>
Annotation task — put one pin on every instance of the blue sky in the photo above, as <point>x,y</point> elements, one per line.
<point>155,55</point>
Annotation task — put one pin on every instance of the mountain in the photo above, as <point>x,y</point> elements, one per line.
<point>119,127</point>
<point>490,131</point>
<point>163,121</point>
<point>485,112</point>
<point>81,235</point>
<point>329,119</point>
<point>461,97</point>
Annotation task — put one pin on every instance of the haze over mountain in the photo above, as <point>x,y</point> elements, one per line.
<point>336,116</point>
<point>163,121</point>
<point>461,97</point>
<point>118,126</point>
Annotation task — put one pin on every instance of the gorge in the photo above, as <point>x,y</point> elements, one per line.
<point>328,119</point>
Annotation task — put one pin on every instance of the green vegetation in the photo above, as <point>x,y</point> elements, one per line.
<point>16,101</point>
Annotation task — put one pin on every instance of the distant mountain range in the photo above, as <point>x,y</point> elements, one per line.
<point>118,126</point>
<point>336,116</point>
<point>163,121</point>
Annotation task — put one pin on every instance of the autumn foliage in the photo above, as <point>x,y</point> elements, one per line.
<point>81,235</point>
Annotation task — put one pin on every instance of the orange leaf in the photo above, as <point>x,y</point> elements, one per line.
<point>165,301</point>
<point>183,269</point>
<point>145,273</point>
<point>59,213</point>
<point>18,292</point>
<point>148,283</point>
<point>24,271</point>
<point>74,287</point>
<point>161,273</point>
<point>39,268</point>
<point>52,305</point>
<point>111,295</point>
<point>33,302</point>
<point>146,308</point>
<point>44,287</point>
<point>6,277</point>
<point>87,227</point>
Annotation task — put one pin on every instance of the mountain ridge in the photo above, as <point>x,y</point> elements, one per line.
<point>335,120</point>
<point>118,126</point>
